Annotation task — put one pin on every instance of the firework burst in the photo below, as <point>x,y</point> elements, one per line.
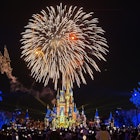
<point>60,44</point>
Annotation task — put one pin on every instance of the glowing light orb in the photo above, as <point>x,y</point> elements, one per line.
<point>73,36</point>
<point>61,44</point>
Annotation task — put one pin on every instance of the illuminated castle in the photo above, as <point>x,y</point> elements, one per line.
<point>64,114</point>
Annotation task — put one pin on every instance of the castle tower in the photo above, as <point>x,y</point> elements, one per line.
<point>27,115</point>
<point>111,120</point>
<point>48,112</point>
<point>64,113</point>
<point>83,117</point>
<point>97,119</point>
<point>27,119</point>
<point>47,117</point>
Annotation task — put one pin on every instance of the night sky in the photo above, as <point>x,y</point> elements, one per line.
<point>112,87</point>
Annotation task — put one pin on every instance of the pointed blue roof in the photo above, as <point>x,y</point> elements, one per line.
<point>54,109</point>
<point>75,108</point>
<point>27,114</point>
<point>96,113</point>
<point>83,110</point>
<point>110,116</point>
<point>13,117</point>
<point>48,112</point>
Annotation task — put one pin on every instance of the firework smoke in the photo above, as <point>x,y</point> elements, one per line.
<point>44,95</point>
<point>16,86</point>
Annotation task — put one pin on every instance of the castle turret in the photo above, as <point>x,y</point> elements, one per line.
<point>83,113</point>
<point>54,109</point>
<point>97,119</point>
<point>111,120</point>
<point>74,113</point>
<point>71,96</point>
<point>48,112</point>
<point>47,118</point>
<point>62,98</point>
<point>27,115</point>
<point>27,118</point>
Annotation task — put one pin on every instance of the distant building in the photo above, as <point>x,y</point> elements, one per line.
<point>64,114</point>
<point>111,120</point>
<point>97,119</point>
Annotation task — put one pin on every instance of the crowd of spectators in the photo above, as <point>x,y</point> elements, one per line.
<point>18,132</point>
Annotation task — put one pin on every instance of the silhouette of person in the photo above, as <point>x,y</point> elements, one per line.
<point>103,134</point>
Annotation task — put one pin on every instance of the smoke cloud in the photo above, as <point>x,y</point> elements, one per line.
<point>43,95</point>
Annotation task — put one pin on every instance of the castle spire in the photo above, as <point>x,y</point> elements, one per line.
<point>54,109</point>
<point>96,113</point>
<point>111,120</point>
<point>48,111</point>
<point>27,115</point>
<point>75,108</point>
<point>110,116</point>
<point>97,119</point>
<point>62,99</point>
<point>83,113</point>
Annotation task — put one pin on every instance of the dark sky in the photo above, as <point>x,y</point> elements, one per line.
<point>119,75</point>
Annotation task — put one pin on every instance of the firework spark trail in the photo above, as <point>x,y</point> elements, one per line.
<point>60,43</point>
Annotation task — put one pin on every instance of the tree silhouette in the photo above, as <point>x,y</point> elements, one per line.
<point>135,98</point>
